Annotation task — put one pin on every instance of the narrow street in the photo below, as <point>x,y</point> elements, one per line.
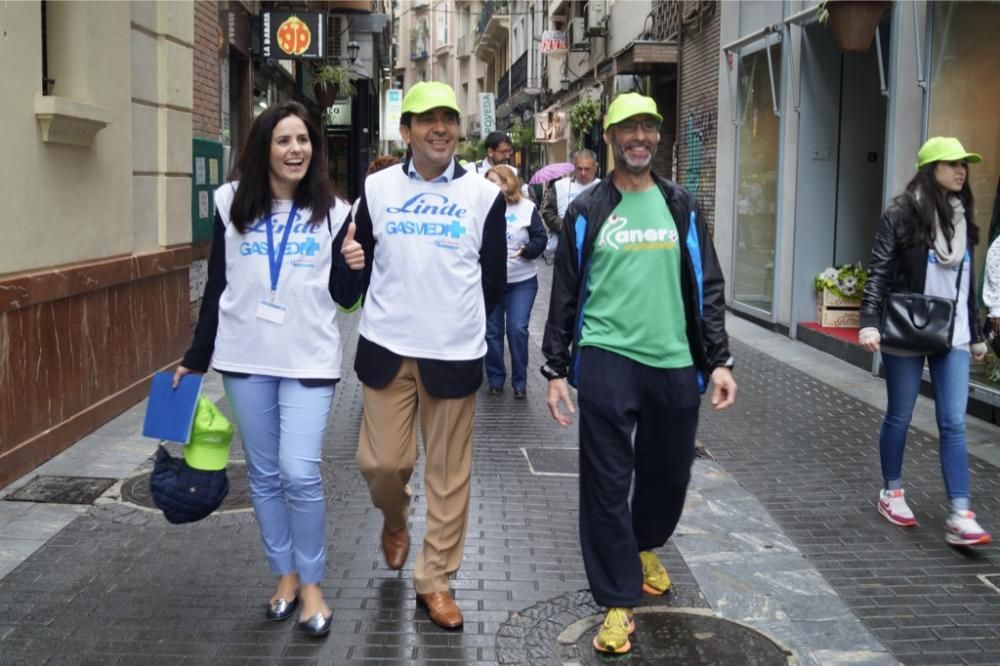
<point>780,534</point>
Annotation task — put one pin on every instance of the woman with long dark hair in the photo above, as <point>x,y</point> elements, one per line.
<point>924,246</point>
<point>281,258</point>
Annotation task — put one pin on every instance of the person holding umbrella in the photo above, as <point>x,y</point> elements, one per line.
<point>559,195</point>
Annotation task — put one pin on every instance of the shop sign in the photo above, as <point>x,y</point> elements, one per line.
<point>392,111</point>
<point>554,41</point>
<point>487,114</point>
<point>293,35</point>
<point>550,126</point>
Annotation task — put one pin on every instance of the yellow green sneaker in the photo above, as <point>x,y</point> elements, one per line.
<point>613,635</point>
<point>655,580</point>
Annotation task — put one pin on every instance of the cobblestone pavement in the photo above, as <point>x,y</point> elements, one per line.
<point>779,534</point>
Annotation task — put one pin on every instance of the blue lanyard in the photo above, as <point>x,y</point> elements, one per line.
<point>274,262</point>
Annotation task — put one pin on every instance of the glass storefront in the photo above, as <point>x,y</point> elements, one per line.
<point>757,179</point>
<point>964,68</point>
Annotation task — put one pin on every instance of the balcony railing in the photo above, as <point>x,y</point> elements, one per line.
<point>503,88</point>
<point>519,72</point>
<point>513,80</point>
<point>491,7</point>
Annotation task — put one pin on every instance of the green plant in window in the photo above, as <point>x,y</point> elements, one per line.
<point>339,78</point>
<point>846,280</point>
<point>582,118</point>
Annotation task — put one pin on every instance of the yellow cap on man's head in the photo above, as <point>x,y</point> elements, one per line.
<point>428,95</point>
<point>630,104</point>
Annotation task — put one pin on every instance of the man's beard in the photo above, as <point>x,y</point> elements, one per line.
<point>621,162</point>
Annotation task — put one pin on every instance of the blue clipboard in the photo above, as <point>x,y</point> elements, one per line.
<point>170,411</point>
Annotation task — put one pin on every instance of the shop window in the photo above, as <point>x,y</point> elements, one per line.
<point>757,178</point>
<point>964,98</point>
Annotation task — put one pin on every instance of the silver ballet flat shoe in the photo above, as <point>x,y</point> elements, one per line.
<point>316,626</point>
<point>281,609</point>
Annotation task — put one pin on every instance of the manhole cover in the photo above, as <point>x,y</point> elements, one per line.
<point>671,636</point>
<point>62,489</point>
<point>553,462</point>
<point>136,490</point>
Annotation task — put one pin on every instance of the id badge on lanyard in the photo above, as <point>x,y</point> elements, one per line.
<point>270,309</point>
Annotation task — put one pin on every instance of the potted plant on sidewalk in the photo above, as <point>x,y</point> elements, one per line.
<point>838,295</point>
<point>329,81</point>
<point>853,21</point>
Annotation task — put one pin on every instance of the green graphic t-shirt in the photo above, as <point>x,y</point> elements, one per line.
<point>634,305</point>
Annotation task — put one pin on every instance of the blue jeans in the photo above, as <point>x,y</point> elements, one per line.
<point>950,382</point>
<point>281,423</point>
<point>515,309</point>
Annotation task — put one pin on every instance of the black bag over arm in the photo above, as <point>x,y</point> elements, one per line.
<point>918,322</point>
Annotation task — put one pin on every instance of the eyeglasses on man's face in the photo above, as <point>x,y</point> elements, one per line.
<point>648,126</point>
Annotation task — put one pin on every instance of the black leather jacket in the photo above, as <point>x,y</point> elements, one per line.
<point>706,332</point>
<point>896,268</point>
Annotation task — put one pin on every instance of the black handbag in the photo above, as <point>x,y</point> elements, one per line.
<point>918,322</point>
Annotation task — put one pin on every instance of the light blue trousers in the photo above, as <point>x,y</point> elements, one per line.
<point>282,423</point>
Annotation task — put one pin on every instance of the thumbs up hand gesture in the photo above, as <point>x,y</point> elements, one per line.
<point>353,253</point>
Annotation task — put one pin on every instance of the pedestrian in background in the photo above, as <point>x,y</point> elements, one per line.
<point>637,324</point>
<point>525,242</point>
<point>435,255</point>
<point>558,195</point>
<point>499,150</point>
<point>923,245</point>
<point>267,323</point>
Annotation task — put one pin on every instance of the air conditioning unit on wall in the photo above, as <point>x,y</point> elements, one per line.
<point>597,14</point>
<point>577,35</point>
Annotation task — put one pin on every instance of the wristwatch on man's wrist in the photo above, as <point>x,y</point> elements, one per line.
<point>551,374</point>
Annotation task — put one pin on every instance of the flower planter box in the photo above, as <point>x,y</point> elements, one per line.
<point>836,311</point>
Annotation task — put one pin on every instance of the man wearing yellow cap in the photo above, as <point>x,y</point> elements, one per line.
<point>636,323</point>
<point>435,244</point>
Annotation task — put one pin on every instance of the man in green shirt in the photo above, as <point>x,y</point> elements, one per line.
<point>637,323</point>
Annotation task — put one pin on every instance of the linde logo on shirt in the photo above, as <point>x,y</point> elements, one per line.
<point>302,247</point>
<point>427,205</point>
<point>615,236</point>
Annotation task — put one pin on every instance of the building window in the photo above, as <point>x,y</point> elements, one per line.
<point>757,179</point>
<point>964,98</point>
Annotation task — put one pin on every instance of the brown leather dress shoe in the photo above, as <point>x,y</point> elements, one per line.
<point>395,547</point>
<point>442,608</point>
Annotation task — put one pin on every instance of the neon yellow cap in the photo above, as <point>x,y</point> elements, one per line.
<point>210,438</point>
<point>428,95</point>
<point>945,149</point>
<point>628,105</point>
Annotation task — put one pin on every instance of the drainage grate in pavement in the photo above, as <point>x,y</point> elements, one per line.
<point>136,490</point>
<point>552,462</point>
<point>62,489</point>
<point>674,636</point>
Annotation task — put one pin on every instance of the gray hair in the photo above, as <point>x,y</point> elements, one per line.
<point>585,152</point>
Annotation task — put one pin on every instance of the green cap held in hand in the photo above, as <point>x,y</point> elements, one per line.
<point>210,438</point>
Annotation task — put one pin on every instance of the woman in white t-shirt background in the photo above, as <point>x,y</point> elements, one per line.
<point>281,259</point>
<point>526,240</point>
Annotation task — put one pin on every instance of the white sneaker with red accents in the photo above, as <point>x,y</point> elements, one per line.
<point>892,505</point>
<point>961,529</point>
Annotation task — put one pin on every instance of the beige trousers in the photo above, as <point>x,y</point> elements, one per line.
<point>387,452</point>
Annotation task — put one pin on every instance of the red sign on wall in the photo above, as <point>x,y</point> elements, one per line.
<point>554,41</point>
<point>293,36</point>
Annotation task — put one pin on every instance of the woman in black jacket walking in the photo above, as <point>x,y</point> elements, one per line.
<point>924,245</point>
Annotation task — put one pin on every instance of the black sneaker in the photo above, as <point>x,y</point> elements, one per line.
<point>520,394</point>
<point>496,390</point>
